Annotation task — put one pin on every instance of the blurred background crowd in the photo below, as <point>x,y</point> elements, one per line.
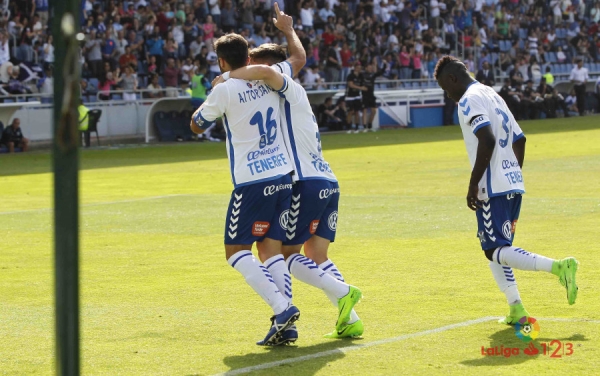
<point>159,45</point>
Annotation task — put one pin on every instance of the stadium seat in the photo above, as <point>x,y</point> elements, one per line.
<point>46,100</point>
<point>162,125</point>
<point>94,82</point>
<point>93,98</point>
<point>9,100</point>
<point>522,33</point>
<point>179,124</point>
<point>117,97</point>
<point>185,116</point>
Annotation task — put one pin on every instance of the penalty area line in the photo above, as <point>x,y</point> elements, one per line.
<point>344,350</point>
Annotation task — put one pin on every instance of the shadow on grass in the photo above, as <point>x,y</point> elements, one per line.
<point>136,155</point>
<point>504,338</point>
<point>288,360</point>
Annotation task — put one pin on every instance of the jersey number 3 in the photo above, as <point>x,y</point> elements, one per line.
<point>505,126</point>
<point>268,130</point>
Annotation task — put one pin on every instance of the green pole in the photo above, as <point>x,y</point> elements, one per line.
<point>65,25</point>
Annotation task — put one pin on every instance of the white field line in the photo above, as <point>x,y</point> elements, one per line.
<point>343,350</point>
<point>99,203</point>
<point>385,341</point>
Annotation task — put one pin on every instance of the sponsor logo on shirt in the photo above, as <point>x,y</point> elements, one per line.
<point>477,121</point>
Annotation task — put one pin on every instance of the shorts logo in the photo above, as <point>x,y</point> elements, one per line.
<point>325,193</point>
<point>283,219</point>
<point>272,189</point>
<point>260,228</point>
<point>332,220</point>
<point>481,236</point>
<point>313,226</point>
<point>507,230</point>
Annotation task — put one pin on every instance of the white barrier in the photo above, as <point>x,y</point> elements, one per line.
<point>119,118</point>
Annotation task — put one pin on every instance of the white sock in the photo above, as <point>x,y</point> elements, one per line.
<point>281,275</point>
<point>259,278</point>
<point>520,259</point>
<point>505,279</point>
<point>330,268</point>
<point>307,271</point>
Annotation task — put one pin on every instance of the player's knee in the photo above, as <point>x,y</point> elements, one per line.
<point>489,253</point>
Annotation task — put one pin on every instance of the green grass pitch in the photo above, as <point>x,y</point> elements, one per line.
<point>158,298</point>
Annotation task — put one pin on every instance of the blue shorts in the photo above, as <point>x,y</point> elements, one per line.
<point>497,220</point>
<point>258,211</point>
<point>313,211</point>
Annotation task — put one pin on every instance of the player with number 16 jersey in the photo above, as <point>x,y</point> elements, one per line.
<point>261,173</point>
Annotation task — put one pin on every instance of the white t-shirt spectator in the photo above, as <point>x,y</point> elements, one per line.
<point>178,34</point>
<point>4,53</point>
<point>120,45</point>
<point>49,53</point>
<point>306,16</point>
<point>213,62</point>
<point>483,36</point>
<point>434,7</point>
<point>184,69</point>
<point>310,79</point>
<point>384,12</point>
<point>214,7</point>
<point>332,3</point>
<point>579,75</point>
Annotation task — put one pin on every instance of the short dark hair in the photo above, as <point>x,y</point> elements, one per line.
<point>232,48</point>
<point>449,62</point>
<point>270,53</point>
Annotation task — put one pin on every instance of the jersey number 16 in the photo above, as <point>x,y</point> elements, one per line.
<point>268,130</point>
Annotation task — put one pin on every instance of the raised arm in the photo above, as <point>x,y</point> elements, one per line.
<point>285,23</point>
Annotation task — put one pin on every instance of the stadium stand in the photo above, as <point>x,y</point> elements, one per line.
<point>404,39</point>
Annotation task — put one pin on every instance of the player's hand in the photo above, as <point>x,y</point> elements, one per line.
<point>283,22</point>
<point>472,201</point>
<point>217,80</point>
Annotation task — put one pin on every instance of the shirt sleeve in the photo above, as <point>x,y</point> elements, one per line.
<point>213,108</point>
<point>285,68</point>
<point>291,91</point>
<point>475,114</point>
<point>517,131</point>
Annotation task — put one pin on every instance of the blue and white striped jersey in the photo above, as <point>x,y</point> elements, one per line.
<point>301,131</point>
<point>479,107</point>
<point>251,116</point>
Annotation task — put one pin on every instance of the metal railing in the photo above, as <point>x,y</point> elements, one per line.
<point>175,92</point>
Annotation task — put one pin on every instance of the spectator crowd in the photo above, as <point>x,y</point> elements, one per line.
<point>164,47</point>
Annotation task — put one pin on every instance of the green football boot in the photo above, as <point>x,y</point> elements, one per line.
<point>354,330</point>
<point>345,305</point>
<point>517,311</point>
<point>566,269</point>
